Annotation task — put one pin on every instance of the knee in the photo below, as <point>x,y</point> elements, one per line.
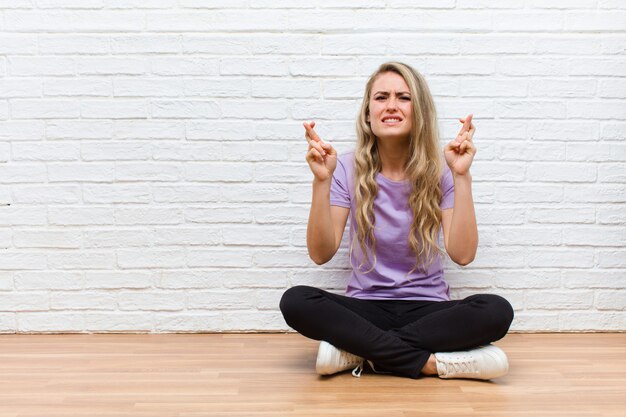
<point>293,303</point>
<point>498,311</point>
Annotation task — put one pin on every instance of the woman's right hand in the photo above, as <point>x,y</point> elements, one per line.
<point>322,157</point>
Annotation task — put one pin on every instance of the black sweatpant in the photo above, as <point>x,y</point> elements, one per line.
<point>396,335</point>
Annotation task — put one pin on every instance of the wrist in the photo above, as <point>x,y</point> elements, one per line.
<point>317,183</point>
<point>467,177</point>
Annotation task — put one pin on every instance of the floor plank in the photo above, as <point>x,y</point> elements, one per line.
<point>192,375</point>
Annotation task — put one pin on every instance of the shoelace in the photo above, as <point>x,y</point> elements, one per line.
<point>459,367</point>
<point>356,372</point>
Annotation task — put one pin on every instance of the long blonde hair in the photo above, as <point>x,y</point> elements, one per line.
<point>423,170</point>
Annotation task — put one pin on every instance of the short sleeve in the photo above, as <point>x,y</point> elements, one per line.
<point>447,188</point>
<point>339,195</point>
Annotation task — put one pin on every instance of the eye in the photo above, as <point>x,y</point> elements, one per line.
<point>406,98</point>
<point>379,97</point>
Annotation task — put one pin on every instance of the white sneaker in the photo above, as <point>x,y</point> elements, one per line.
<point>331,360</point>
<point>482,363</point>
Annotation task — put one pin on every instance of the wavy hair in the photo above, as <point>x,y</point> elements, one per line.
<point>423,170</point>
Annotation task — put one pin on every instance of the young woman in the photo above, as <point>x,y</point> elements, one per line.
<point>399,192</point>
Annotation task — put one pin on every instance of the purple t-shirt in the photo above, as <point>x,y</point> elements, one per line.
<point>394,257</point>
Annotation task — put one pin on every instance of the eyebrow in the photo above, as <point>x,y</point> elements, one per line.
<point>387,92</point>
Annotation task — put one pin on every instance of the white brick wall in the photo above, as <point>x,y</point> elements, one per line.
<point>152,173</point>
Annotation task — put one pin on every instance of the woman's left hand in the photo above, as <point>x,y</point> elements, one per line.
<point>460,152</point>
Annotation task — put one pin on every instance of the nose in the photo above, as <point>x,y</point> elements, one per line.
<point>392,104</point>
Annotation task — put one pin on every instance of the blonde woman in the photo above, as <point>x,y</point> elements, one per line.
<point>400,192</point>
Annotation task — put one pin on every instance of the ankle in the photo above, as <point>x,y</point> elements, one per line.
<point>431,366</point>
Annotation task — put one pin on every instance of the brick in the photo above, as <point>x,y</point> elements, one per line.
<point>611,258</point>
<point>613,300</point>
<point>285,88</point>
<point>561,172</point>
<point>47,239</point>
<point>198,321</point>
<point>595,110</point>
<point>153,87</point>
<point>52,321</point>
<point>78,216</point>
<point>137,44</point>
<point>77,87</point>
<point>564,131</point>
<point>118,322</point>
<point>116,193</point>
<point>115,151</point>
<point>219,258</point>
<point>26,151</point>
<point>44,109</point>
<point>114,109</point>
<point>204,236</point>
<point>186,193</point>
<point>97,239</point>
<point>560,258</point>
<point>23,261</point>
<point>566,45</point>
<point>81,259</point>
<point>563,88</point>
<point>255,235</point>
<point>74,21</point>
<point>156,301</point>
<point>84,300</point>
<point>235,214</point>
<point>21,130</point>
<point>22,173</point>
<point>49,280</point>
<point>613,214</point>
<point>223,87</point>
<point>77,172</point>
<point>612,173</point>
<point>148,215</point>
<point>45,194</point>
<point>184,109</point>
<point>594,21</point>
<point>597,278</point>
<point>144,172</point>
<point>111,280</point>
<point>73,44</point>
<point>111,65</point>
<point>213,172</point>
<point>150,258</point>
<point>185,278</point>
<point>592,320</point>
<point>552,300</point>
<point>219,130</point>
<point>598,193</point>
<point>78,129</point>
<point>562,215</point>
<point>177,65</point>
<point>254,193</point>
<point>25,66</point>
<point>20,88</point>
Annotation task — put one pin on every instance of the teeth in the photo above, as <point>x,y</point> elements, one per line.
<point>392,120</point>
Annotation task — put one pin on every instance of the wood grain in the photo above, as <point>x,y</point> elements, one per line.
<point>192,375</point>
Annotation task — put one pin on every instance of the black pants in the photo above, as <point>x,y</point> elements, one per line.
<point>396,335</point>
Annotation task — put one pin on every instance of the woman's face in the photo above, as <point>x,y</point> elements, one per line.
<point>390,107</point>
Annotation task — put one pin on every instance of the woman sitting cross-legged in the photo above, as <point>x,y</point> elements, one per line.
<point>399,191</point>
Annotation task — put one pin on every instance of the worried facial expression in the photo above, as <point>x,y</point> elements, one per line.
<point>390,107</point>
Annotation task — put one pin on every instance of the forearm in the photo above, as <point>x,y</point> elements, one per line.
<point>463,239</point>
<point>320,235</point>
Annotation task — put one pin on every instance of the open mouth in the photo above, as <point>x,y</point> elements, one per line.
<point>391,120</point>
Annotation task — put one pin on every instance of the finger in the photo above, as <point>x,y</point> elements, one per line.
<point>314,155</point>
<point>311,131</point>
<point>467,122</point>
<point>314,144</point>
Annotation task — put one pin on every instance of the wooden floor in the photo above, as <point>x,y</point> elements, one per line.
<point>215,375</point>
